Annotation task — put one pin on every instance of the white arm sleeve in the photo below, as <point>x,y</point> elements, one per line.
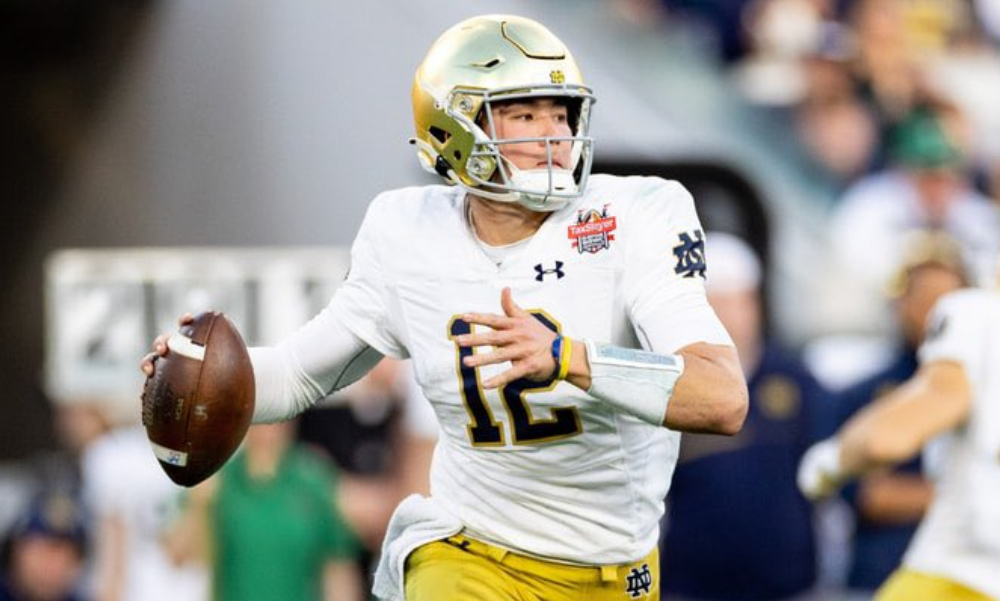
<point>326,354</point>
<point>319,358</point>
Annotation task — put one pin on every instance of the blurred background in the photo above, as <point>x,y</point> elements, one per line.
<point>162,155</point>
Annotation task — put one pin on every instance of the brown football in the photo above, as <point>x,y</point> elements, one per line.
<point>197,405</point>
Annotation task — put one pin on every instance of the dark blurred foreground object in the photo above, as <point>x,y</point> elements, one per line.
<point>198,404</point>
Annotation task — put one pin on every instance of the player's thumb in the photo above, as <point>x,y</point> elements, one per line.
<point>510,308</point>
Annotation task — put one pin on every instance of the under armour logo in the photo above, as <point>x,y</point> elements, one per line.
<point>639,581</point>
<point>690,255</point>
<point>541,272</point>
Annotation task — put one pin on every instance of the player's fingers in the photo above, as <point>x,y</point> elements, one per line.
<point>146,365</point>
<point>160,344</point>
<point>491,338</point>
<point>488,319</point>
<point>480,359</point>
<point>185,319</point>
<point>510,308</point>
<point>502,379</point>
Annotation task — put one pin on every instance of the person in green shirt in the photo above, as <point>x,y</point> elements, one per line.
<point>268,525</point>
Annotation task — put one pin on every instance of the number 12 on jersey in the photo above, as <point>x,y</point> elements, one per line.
<point>484,429</point>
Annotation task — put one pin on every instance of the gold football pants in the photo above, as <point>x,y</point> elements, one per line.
<point>463,569</point>
<point>907,585</point>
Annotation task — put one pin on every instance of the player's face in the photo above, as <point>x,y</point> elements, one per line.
<point>937,190</point>
<point>538,118</point>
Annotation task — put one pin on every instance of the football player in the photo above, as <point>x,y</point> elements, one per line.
<point>952,397</point>
<point>557,322</point>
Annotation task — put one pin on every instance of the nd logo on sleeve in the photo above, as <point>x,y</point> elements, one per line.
<point>690,255</point>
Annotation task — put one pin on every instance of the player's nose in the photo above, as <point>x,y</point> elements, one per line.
<point>552,127</point>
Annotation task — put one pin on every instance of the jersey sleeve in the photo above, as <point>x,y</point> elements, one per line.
<point>665,271</point>
<point>363,301</point>
<point>953,331</point>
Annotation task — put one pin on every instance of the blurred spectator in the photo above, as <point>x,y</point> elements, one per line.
<point>130,499</point>
<point>838,131</point>
<point>926,187</point>
<point>79,423</point>
<point>268,525</point>
<point>888,506</point>
<point>43,556</point>
<point>717,20</point>
<point>885,65</point>
<point>359,429</point>
<point>969,76</point>
<point>780,34</point>
<point>800,67</point>
<point>736,526</point>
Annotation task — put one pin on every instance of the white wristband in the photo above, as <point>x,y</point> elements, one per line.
<point>637,382</point>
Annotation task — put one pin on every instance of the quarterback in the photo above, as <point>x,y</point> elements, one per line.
<point>557,322</point>
<point>954,396</point>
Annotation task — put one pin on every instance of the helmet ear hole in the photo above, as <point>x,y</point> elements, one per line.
<point>439,134</point>
<point>458,155</point>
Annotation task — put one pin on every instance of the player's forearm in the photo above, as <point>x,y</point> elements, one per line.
<point>707,395</point>
<point>711,396</point>
<point>282,390</point>
<point>891,430</point>
<point>896,427</point>
<point>320,357</point>
<point>874,440</point>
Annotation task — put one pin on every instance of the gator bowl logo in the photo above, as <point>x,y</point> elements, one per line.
<point>593,230</point>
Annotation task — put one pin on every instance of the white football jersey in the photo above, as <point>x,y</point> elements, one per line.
<point>541,468</point>
<point>960,536</point>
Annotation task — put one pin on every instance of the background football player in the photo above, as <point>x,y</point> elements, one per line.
<point>954,394</point>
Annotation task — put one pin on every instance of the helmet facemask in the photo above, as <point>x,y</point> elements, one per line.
<point>546,188</point>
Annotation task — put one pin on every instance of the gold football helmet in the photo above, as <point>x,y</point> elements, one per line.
<point>491,59</point>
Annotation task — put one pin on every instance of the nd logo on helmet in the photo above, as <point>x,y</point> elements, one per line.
<point>557,77</point>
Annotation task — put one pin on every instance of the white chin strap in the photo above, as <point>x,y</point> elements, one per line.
<point>541,189</point>
<point>530,188</point>
<point>530,180</point>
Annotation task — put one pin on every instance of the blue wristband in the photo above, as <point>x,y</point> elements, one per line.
<point>557,343</point>
<point>561,353</point>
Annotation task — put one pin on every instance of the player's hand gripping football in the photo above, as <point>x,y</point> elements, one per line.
<point>516,336</point>
<point>147,365</point>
